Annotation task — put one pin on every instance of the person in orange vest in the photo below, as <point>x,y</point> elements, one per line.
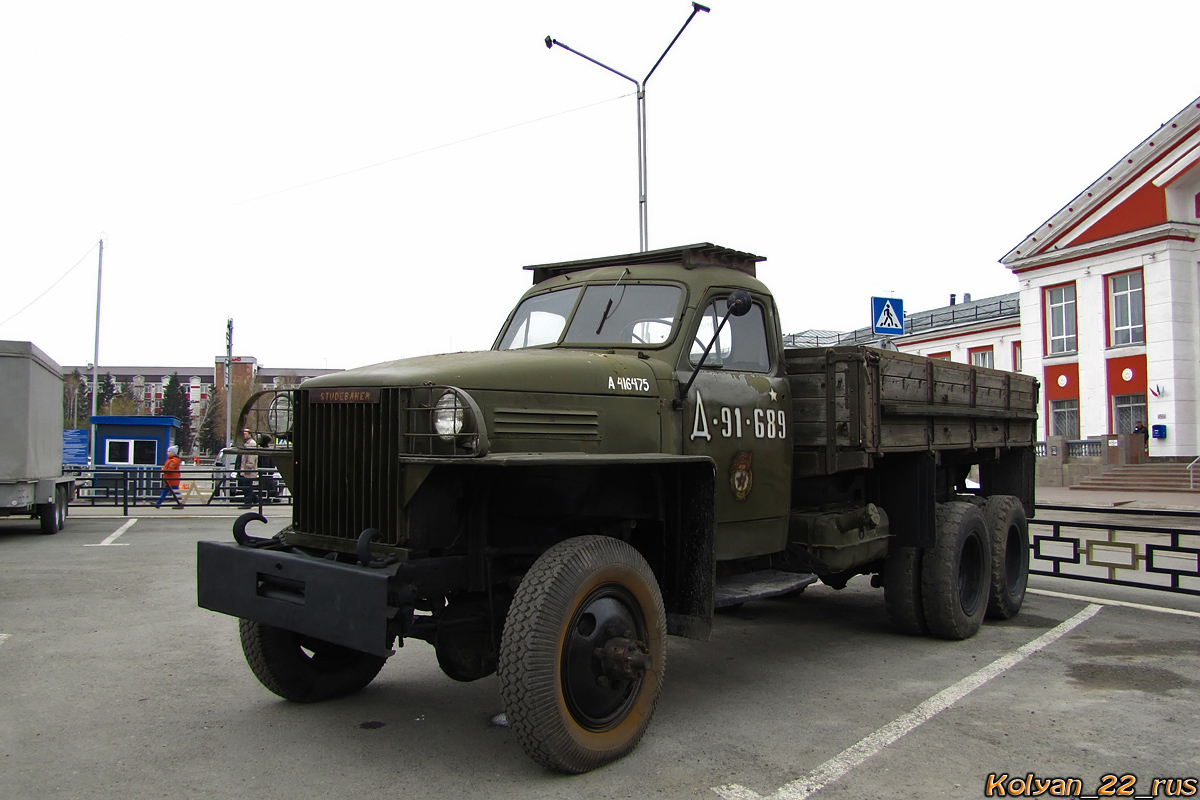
<point>170,478</point>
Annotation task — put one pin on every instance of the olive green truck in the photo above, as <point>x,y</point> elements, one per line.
<point>637,449</point>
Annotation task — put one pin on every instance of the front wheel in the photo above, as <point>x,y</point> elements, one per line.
<point>304,669</point>
<point>583,654</point>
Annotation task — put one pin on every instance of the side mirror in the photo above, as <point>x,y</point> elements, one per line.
<point>739,303</point>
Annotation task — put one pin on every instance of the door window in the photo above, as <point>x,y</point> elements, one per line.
<point>741,344</point>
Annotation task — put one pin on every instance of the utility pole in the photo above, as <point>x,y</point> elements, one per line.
<point>228,382</point>
<point>96,361</point>
<point>643,212</point>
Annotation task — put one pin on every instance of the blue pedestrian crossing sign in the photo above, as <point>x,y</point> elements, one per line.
<point>887,315</point>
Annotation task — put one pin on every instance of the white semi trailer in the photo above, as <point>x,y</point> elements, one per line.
<point>31,441</point>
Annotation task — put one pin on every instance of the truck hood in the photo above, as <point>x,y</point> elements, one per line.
<point>544,371</point>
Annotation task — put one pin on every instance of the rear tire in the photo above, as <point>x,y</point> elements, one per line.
<point>60,504</point>
<point>956,573</point>
<point>1009,533</point>
<point>304,669</point>
<point>902,590</point>
<point>48,514</point>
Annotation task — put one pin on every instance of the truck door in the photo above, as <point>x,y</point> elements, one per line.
<point>738,413</point>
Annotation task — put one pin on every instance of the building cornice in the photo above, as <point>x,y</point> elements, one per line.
<point>1171,231</point>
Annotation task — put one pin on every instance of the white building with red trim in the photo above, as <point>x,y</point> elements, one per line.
<point>1109,295</point>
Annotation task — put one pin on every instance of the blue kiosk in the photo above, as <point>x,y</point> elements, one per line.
<point>133,441</point>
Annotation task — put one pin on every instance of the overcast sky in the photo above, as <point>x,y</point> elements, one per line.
<point>362,181</point>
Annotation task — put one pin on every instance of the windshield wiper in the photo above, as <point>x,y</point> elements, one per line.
<point>608,306</point>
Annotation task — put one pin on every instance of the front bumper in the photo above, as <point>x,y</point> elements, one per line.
<point>338,603</point>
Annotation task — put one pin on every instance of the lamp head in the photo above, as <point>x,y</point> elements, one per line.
<point>699,7</point>
<point>549,43</point>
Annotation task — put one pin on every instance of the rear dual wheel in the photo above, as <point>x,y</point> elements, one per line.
<point>583,654</point>
<point>53,515</point>
<point>956,573</point>
<point>1009,532</point>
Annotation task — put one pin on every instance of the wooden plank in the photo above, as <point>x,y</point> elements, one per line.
<point>965,412</point>
<point>812,409</point>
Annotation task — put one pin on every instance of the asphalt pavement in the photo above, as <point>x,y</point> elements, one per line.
<point>114,684</point>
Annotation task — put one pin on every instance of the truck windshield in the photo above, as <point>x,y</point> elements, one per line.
<point>629,314</point>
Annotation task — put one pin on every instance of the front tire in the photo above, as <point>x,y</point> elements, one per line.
<point>304,669</point>
<point>956,573</point>
<point>1009,533</point>
<point>583,654</point>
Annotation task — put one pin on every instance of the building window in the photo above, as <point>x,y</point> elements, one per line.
<point>1064,418</point>
<point>1126,308</point>
<point>944,356</point>
<point>1016,357</point>
<point>131,452</point>
<point>1128,411</point>
<point>1060,319</point>
<point>982,357</point>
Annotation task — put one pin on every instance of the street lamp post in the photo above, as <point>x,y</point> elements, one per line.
<point>643,216</point>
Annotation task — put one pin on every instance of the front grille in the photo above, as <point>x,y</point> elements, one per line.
<point>348,474</point>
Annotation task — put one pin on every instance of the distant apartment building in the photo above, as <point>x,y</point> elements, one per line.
<point>146,385</point>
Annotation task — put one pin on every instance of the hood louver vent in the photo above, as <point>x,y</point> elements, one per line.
<point>545,424</point>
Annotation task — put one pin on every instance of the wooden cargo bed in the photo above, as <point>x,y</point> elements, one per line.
<point>850,403</point>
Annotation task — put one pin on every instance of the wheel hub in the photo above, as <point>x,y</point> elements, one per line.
<point>604,659</point>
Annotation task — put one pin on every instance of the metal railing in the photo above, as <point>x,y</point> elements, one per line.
<point>1003,306</point>
<point>133,487</point>
<point>1142,556</point>
<point>1191,468</point>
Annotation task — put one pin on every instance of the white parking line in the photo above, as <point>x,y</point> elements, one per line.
<point>4,636</point>
<point>866,748</point>
<point>1101,601</point>
<point>109,542</point>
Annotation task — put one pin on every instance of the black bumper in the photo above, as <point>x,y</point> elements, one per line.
<point>338,603</point>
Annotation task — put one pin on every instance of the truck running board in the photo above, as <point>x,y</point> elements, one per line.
<point>758,585</point>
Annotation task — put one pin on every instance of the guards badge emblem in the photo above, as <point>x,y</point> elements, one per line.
<point>741,479</point>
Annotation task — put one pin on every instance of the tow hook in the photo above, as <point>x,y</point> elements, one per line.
<point>239,530</point>
<point>364,551</point>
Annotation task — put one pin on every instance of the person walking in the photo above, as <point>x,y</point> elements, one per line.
<point>170,478</point>
<point>247,472</point>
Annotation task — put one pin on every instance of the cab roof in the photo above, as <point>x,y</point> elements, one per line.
<point>688,256</point>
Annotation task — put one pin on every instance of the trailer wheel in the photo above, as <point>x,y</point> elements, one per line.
<point>304,669</point>
<point>60,503</point>
<point>902,590</point>
<point>956,573</point>
<point>48,514</point>
<point>583,654</point>
<point>1009,533</point>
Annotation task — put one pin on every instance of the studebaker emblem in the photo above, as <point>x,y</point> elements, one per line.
<point>741,479</point>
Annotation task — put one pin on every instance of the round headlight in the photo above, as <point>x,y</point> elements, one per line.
<point>448,415</point>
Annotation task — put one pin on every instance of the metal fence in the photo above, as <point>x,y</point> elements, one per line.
<point>1142,556</point>
<point>132,487</point>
